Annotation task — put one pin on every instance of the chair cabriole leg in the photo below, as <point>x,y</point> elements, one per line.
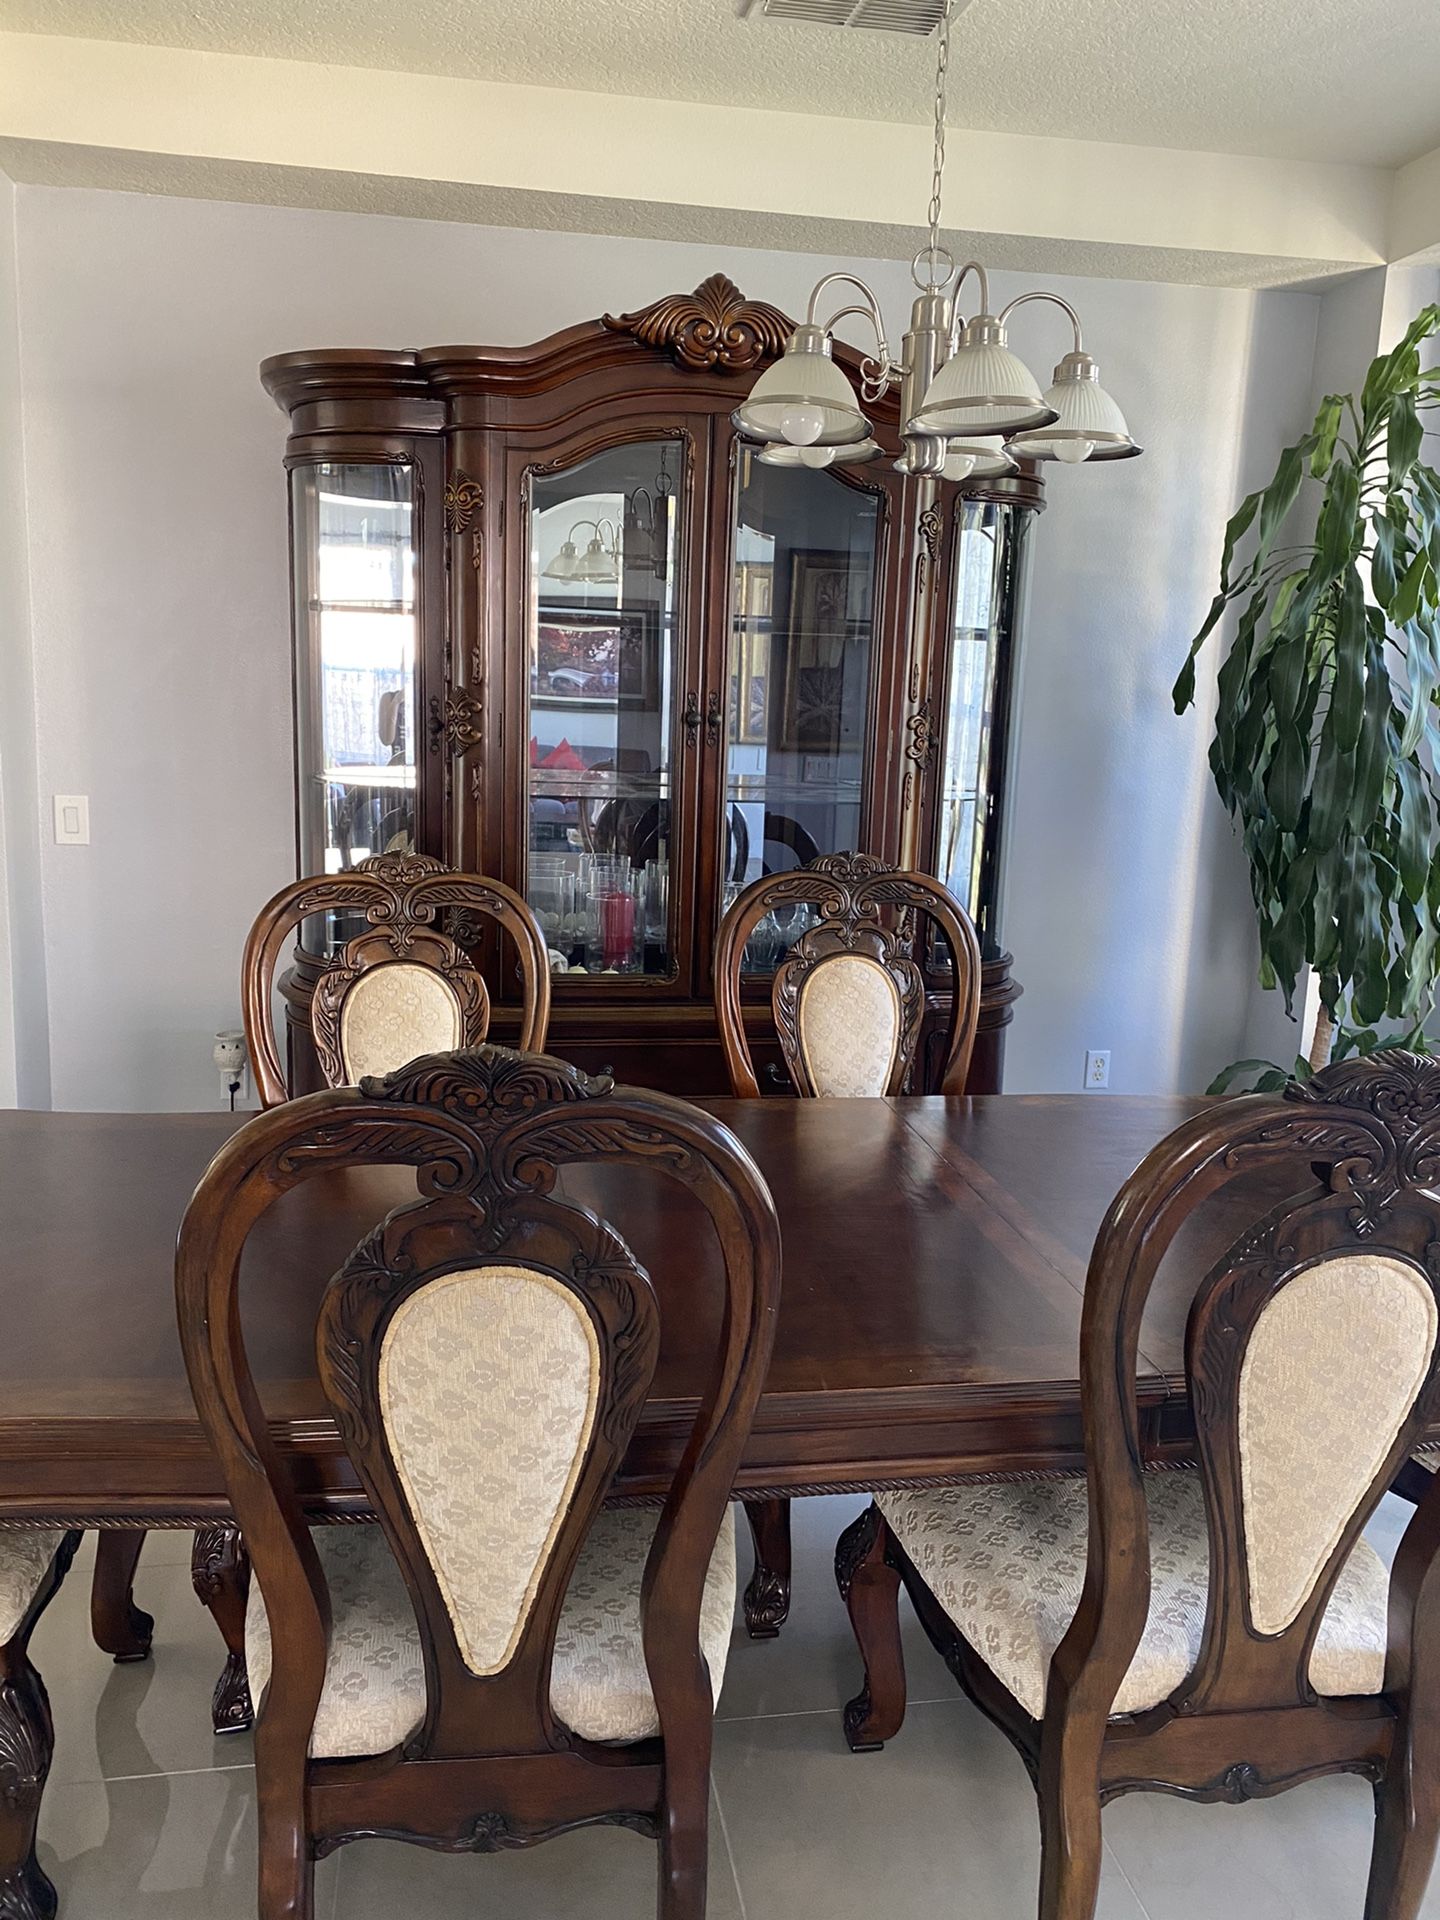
<point>1070,1835</point>
<point>27,1742</point>
<point>869,1585</point>
<point>220,1572</point>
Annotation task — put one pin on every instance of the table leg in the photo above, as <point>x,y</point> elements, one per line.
<point>27,1741</point>
<point>767,1598</point>
<point>220,1572</point>
<point>117,1625</point>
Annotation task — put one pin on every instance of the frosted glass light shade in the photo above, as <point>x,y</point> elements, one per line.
<point>1087,425</point>
<point>565,564</point>
<point>780,455</point>
<point>982,388</point>
<point>977,459</point>
<point>597,564</point>
<point>803,399</point>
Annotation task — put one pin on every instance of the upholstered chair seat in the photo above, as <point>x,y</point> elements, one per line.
<point>374,1692</point>
<point>25,1558</point>
<point>1007,1563</point>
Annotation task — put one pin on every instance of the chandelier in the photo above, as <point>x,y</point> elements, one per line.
<point>968,405</point>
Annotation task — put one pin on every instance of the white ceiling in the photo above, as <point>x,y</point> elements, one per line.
<point>1342,80</point>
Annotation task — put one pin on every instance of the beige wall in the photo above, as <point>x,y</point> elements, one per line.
<point>161,627</point>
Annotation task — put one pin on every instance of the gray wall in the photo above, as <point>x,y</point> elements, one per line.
<point>161,626</point>
<point>24,1026</point>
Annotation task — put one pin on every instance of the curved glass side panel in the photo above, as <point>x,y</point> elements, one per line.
<point>805,549</point>
<point>353,527</point>
<point>989,556</point>
<point>603,652</point>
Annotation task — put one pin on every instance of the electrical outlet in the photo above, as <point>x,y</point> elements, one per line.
<point>1097,1068</point>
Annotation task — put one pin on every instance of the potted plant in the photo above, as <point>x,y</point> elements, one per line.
<point>1326,736</point>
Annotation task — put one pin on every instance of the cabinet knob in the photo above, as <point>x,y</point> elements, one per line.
<point>713,720</point>
<point>692,718</point>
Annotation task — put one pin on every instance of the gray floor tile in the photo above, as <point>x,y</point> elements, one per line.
<point>942,1822</point>
<point>813,1666</point>
<point>162,1848</point>
<point>113,1721</point>
<point>1301,1856</point>
<point>601,1873</point>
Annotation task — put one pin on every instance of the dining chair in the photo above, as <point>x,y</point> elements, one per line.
<point>33,1562</point>
<point>404,986</point>
<point>848,1005</point>
<point>504,1656</point>
<point>1226,1632</point>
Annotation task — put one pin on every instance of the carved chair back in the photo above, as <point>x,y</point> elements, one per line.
<point>406,986</point>
<point>1312,1360</point>
<point>486,1353</point>
<point>848,998</point>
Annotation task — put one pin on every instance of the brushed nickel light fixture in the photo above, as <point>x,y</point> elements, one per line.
<point>968,403</point>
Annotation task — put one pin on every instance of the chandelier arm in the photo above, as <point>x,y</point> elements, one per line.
<point>957,323</point>
<point>1055,300</point>
<point>877,371</point>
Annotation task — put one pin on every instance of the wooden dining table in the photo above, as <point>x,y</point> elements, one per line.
<point>934,1268</point>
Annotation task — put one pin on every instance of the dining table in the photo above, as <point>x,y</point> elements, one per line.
<point>934,1260</point>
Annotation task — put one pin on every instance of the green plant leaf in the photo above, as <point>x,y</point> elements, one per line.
<point>1402,439</point>
<point>1242,1069</point>
<point>1418,578</point>
<point>1416,829</point>
<point>1352,641</point>
<point>1326,431</point>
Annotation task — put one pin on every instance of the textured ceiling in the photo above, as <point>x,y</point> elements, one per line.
<point>1345,80</point>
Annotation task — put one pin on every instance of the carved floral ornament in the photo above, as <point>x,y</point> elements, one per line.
<point>715,326</point>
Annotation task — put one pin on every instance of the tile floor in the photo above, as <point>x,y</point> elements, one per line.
<point>148,1817</point>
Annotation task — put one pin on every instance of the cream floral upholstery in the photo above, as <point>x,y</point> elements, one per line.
<point>1007,1563</point>
<point>392,1014</point>
<point>1330,1373</point>
<point>849,1026</point>
<point>489,1379</point>
<point>25,1558</point>
<point>374,1692</point>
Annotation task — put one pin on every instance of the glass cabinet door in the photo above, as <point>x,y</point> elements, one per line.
<point>602,672</point>
<point>805,549</point>
<point>988,567</point>
<point>355,629</point>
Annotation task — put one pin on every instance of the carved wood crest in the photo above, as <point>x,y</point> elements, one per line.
<point>715,326</point>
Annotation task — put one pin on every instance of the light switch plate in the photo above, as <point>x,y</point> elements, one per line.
<point>72,819</point>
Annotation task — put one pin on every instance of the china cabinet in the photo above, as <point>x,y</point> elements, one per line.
<point>556,622</point>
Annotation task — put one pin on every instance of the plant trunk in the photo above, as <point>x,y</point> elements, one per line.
<point>1323,1038</point>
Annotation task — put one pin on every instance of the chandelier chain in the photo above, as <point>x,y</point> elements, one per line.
<point>942,74</point>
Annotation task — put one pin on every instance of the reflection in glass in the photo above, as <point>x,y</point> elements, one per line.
<point>354,529</point>
<point>602,629</point>
<point>988,559</point>
<point>801,634</point>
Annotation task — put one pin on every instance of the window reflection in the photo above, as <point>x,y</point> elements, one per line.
<point>801,632</point>
<point>988,560</point>
<point>356,625</point>
<point>602,666</point>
